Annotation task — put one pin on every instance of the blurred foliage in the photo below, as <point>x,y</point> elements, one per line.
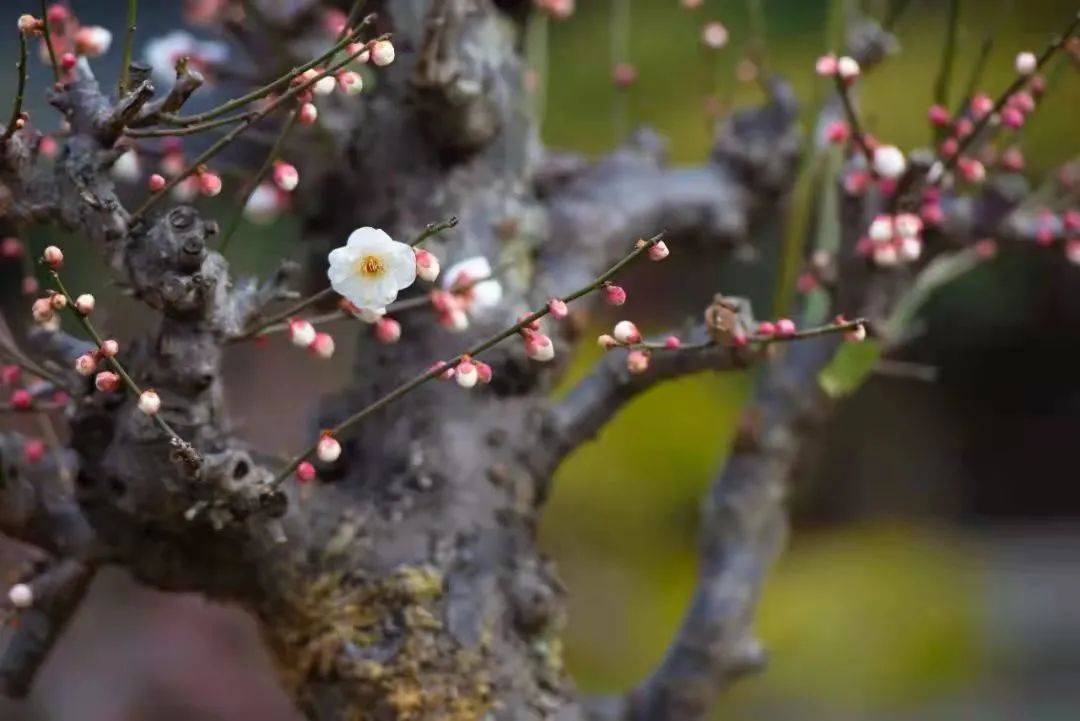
<point>857,620</point>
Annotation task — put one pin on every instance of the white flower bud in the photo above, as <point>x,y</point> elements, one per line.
<point>889,161</point>
<point>301,332</point>
<point>149,402</point>
<point>85,304</point>
<point>626,332</point>
<point>328,450</point>
<point>21,595</point>
<point>382,53</point>
<point>1026,63</point>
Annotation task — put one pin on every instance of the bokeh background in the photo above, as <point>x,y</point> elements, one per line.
<point>934,569</point>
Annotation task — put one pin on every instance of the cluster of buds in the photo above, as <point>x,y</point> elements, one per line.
<point>87,363</point>
<point>68,37</point>
<point>893,240</point>
<point>844,67</point>
<point>469,372</point>
<point>303,335</point>
<point>203,182</point>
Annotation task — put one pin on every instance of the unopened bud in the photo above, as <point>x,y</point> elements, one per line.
<point>328,450</point>
<point>85,304</point>
<point>558,309</point>
<point>613,294</point>
<point>427,265</point>
<point>149,402</point>
<point>637,361</point>
<point>107,381</point>
<point>53,257</point>
<point>86,365</point>
<point>323,345</point>
<point>626,332</point>
<point>301,332</point>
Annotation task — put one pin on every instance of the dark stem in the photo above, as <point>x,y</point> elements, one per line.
<point>16,108</point>
<point>129,42</point>
<point>48,41</point>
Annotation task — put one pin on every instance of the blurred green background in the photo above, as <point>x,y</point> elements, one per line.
<point>901,597</point>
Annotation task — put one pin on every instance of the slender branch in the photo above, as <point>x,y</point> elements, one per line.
<point>272,86</point>
<point>48,41</point>
<point>129,42</point>
<point>440,368</point>
<point>27,364</point>
<point>16,108</point>
<point>253,184</point>
<point>88,327</point>
<point>188,129</point>
<point>232,135</point>
<point>354,13</point>
<point>857,133</point>
<point>1014,86</point>
<point>434,229</point>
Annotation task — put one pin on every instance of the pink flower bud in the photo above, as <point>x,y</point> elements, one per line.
<point>1022,101</point>
<point>837,132</point>
<point>29,285</point>
<point>285,176</point>
<point>67,61</point>
<point>1072,251</point>
<point>305,472</point>
<point>58,300</point>
<point>42,310</point>
<point>932,214</point>
<point>444,375</point>
<point>971,170</point>
<point>1012,117</point>
<point>785,327</point>
<point>908,225</point>
<point>938,115</point>
<point>10,374</point>
<point>350,83</point>
<point>613,294</point>
<point>11,248</point>
<point>358,52</point>
<point>57,14</point>
<point>1071,219</point>
<point>1012,160</point>
<point>672,342</point>
<point>606,341</point>
<point>539,347</point>
<point>886,255</point>
<point>949,147</point>
<point>981,105</point>
<point>107,381</point>
<point>427,265</point>
<point>826,66</point>
<point>626,332</point>
<point>323,345</point>
<point>53,257</point>
<point>387,330</point>
<point>856,334</point>
<point>806,282</point>
<point>465,374</point>
<point>767,329</point>
<point>624,74</point>
<point>85,304</point>
<point>532,325</point>
<point>382,53</point>
<point>483,372</point>
<point>307,114</point>
<point>986,248</point>
<point>301,332</point>
<point>33,450</point>
<point>156,183</point>
<point>21,400</point>
<point>456,320</point>
<point>209,183</point>
<point>637,361</point>
<point>964,127</point>
<point>856,182</point>
<point>86,365</point>
<point>658,251</point>
<point>558,308</point>
<point>328,449</point>
<point>149,402</point>
<point>109,348</point>
<point>21,596</point>
<point>28,24</point>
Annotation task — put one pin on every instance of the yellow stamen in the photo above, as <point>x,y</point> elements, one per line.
<point>370,266</point>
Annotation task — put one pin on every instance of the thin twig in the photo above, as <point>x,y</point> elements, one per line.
<point>253,184</point>
<point>48,41</point>
<point>16,108</point>
<point>827,329</point>
<point>1016,84</point>
<point>233,134</point>
<point>27,364</point>
<point>129,42</point>
<point>440,368</point>
<point>271,87</point>
<point>434,229</point>
<point>354,13</point>
<point>853,120</point>
<point>187,129</point>
<point>88,327</point>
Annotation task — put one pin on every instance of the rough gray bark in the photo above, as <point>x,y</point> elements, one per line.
<point>409,585</point>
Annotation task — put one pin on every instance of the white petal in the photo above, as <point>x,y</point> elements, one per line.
<point>369,240</point>
<point>474,268</point>
<point>403,265</point>
<point>487,294</point>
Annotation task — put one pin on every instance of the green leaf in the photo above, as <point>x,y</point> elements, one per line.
<point>849,368</point>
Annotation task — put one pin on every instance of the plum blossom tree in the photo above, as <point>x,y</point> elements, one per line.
<point>393,563</point>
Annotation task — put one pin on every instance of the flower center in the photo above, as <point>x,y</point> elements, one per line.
<point>370,266</point>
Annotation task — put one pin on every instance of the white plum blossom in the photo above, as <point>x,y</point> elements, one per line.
<point>481,295</point>
<point>163,52</point>
<point>371,268</point>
